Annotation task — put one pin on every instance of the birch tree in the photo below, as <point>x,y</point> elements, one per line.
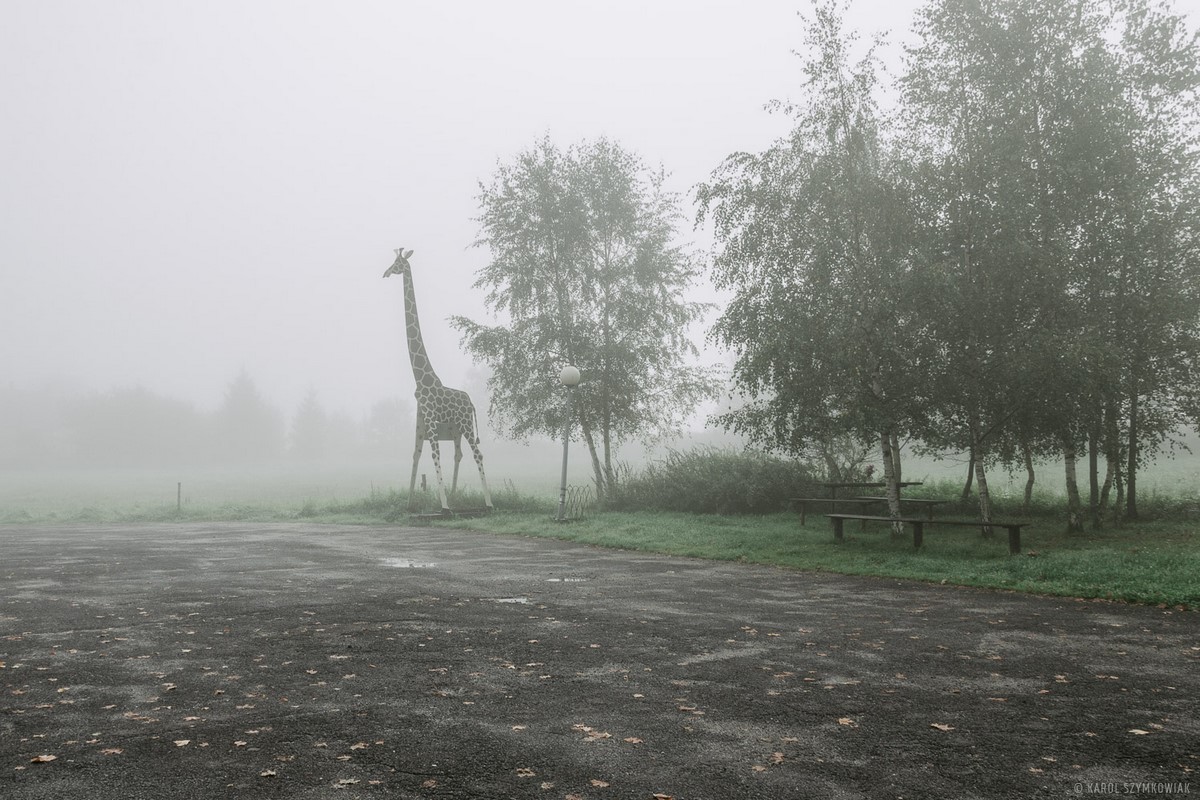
<point>586,270</point>
<point>812,242</point>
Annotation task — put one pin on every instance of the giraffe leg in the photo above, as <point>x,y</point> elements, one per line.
<point>412,483</point>
<point>457,461</point>
<point>487,496</point>
<point>436,452</point>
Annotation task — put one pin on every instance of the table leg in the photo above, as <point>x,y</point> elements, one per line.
<point>1014,540</point>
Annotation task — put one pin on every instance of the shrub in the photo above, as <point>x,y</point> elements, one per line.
<point>714,481</point>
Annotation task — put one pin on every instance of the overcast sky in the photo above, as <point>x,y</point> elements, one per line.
<point>194,188</point>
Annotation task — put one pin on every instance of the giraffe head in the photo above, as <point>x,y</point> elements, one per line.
<point>400,266</point>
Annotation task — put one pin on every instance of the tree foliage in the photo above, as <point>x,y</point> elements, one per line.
<point>818,254</point>
<point>585,270</point>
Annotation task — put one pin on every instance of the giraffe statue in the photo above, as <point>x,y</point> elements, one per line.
<point>442,413</point>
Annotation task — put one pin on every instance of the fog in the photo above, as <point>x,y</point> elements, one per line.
<point>199,199</point>
<point>195,189</point>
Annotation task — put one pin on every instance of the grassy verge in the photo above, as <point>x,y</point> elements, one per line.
<point>1154,562</point>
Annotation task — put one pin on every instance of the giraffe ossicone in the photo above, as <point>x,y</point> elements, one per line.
<point>442,413</point>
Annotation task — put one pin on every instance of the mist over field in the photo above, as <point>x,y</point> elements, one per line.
<point>199,201</point>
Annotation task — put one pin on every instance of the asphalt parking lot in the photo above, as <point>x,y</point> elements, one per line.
<point>314,661</point>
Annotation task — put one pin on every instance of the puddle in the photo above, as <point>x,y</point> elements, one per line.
<point>406,563</point>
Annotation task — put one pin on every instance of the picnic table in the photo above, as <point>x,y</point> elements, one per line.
<point>928,505</point>
<point>801,503</point>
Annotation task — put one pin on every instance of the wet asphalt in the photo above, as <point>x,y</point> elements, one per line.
<point>317,661</point>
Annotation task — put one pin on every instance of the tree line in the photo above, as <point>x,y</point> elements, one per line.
<point>135,427</point>
<point>994,252</point>
<point>1005,264</point>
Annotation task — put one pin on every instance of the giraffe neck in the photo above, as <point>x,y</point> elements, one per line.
<point>423,372</point>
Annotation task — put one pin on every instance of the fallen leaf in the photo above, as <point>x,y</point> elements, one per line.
<point>239,743</point>
<point>941,726</point>
<point>525,772</point>
<point>347,781</point>
<point>429,784</point>
<point>599,784</point>
<point>633,740</point>
<point>359,746</point>
<point>267,773</point>
<point>182,742</point>
<point>547,785</point>
<point>44,759</point>
<point>777,758</point>
<point>111,751</point>
<point>759,768</point>
<point>847,722</point>
<point>591,734</point>
<point>1139,732</point>
<point>519,727</point>
<point>663,797</point>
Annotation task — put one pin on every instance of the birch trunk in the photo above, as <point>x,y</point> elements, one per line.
<point>985,497</point>
<point>1074,504</point>
<point>892,490</point>
<point>597,469</point>
<point>1131,511</point>
<point>1094,478</point>
<point>966,492</point>
<point>895,443</point>
<point>1112,454</point>
<point>1027,453</point>
<point>977,450</point>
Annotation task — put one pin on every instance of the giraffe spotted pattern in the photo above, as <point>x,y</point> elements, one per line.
<point>442,413</point>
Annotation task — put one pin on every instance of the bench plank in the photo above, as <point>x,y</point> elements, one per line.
<point>918,525</point>
<point>920,501</point>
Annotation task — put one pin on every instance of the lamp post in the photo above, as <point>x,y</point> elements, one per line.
<point>569,377</point>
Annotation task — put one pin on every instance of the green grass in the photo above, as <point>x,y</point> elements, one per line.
<point>1156,562</point>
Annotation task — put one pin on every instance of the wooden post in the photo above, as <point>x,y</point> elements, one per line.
<point>179,497</point>
<point>837,527</point>
<point>918,533</point>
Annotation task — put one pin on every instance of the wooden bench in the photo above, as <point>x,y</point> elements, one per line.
<point>802,502</point>
<point>918,527</point>
<point>912,501</point>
